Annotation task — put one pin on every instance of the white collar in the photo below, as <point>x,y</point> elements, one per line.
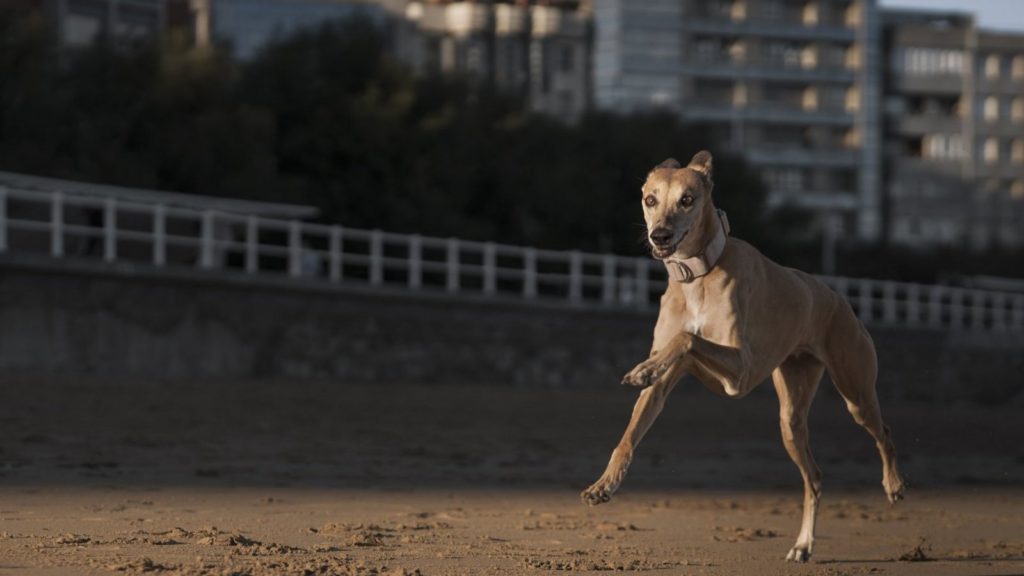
<point>687,270</point>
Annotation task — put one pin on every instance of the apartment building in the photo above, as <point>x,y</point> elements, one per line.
<point>792,84</point>
<point>954,131</point>
<point>539,49</point>
<point>79,22</point>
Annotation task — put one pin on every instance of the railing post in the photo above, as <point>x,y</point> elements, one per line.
<point>865,301</point>
<point>294,248</point>
<point>1017,320</point>
<point>530,273</point>
<point>376,257</point>
<point>415,261</point>
<point>110,230</point>
<point>977,310</point>
<point>490,268</point>
<point>252,244</point>
<point>642,283</point>
<point>159,235</point>
<point>575,278</point>
<point>889,302</point>
<point>3,218</point>
<point>57,224</point>
<point>935,307</point>
<point>335,269</point>
<point>206,240</point>
<point>913,305</point>
<point>608,279</point>
<point>957,309</point>
<point>999,312</point>
<point>452,264</point>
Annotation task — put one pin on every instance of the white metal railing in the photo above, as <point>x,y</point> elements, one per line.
<point>66,225</point>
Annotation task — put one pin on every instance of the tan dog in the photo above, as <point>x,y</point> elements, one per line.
<point>730,317</point>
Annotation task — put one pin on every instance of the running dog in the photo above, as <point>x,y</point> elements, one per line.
<point>731,317</point>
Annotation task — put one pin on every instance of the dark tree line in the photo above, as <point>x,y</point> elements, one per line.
<point>327,117</point>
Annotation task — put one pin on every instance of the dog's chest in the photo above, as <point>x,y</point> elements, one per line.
<point>695,312</point>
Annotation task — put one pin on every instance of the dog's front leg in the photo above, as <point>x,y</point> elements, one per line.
<point>647,408</point>
<point>726,365</point>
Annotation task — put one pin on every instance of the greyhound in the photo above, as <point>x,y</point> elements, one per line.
<point>731,317</point>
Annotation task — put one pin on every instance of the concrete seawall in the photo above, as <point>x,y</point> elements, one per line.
<point>69,318</point>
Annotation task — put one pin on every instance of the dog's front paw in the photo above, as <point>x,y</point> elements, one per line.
<point>599,493</point>
<point>646,373</point>
<point>799,553</point>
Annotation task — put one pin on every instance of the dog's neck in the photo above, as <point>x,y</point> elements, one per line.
<point>687,270</point>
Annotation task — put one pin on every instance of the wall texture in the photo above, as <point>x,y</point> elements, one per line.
<point>63,318</point>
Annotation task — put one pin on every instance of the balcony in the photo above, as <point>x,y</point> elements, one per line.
<point>766,113</point>
<point>729,69</point>
<point>921,124</point>
<point>928,84</point>
<point>781,156</point>
<point>816,199</point>
<point>764,29</point>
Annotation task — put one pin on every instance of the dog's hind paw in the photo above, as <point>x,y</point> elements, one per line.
<point>894,489</point>
<point>798,554</point>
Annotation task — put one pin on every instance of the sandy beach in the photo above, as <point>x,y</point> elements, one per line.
<point>304,477</point>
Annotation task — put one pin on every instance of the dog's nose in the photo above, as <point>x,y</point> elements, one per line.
<point>661,236</point>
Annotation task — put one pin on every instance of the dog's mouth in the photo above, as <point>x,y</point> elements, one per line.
<point>663,252</point>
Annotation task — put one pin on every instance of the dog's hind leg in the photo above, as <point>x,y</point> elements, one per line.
<point>796,381</point>
<point>646,410</point>
<point>853,367</point>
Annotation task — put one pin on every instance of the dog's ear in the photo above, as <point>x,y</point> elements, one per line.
<point>701,163</point>
<point>668,163</point>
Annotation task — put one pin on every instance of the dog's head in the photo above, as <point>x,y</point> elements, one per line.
<point>677,205</point>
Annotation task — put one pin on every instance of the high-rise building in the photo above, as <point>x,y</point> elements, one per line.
<point>954,131</point>
<point>793,85</point>
<point>80,22</point>
<point>539,49</point>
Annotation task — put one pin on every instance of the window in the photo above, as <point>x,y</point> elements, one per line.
<point>852,99</point>
<point>991,109</point>
<point>1017,109</point>
<point>1017,67</point>
<point>930,61</point>
<point>810,15</point>
<point>943,147</point>
<point>990,151</point>
<point>739,95</point>
<point>1017,190</point>
<point>1017,151</point>
<point>992,66</point>
<point>738,52</point>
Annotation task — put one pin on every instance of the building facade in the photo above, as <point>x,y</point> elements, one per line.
<point>793,85</point>
<point>954,131</point>
<point>80,22</point>
<point>538,49</point>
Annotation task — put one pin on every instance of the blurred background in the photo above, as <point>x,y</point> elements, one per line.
<point>240,215</point>
<point>390,243</point>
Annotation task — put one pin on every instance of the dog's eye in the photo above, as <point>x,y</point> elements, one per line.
<point>650,200</point>
<point>686,200</point>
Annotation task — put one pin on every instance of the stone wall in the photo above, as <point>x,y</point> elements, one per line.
<point>67,318</point>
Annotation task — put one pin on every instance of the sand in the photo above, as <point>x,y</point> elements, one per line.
<point>298,477</point>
